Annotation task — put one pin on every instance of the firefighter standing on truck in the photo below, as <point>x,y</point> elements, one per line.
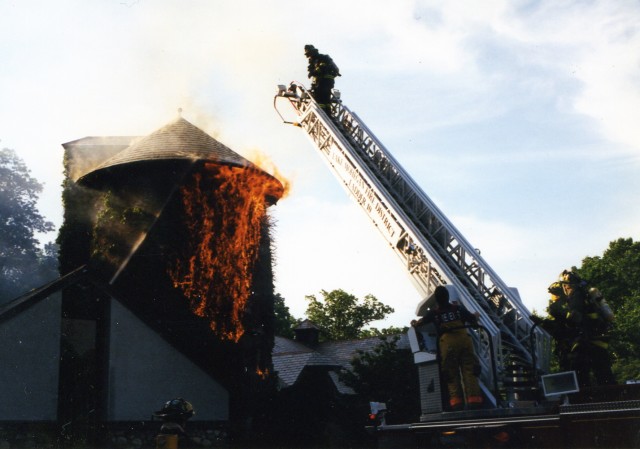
<point>558,325</point>
<point>589,351</point>
<point>458,361</point>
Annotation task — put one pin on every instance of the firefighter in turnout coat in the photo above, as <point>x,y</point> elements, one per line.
<point>323,72</point>
<point>458,361</point>
<point>590,348</point>
<point>558,325</point>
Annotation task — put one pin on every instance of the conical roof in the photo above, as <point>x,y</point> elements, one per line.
<point>168,154</point>
<point>177,140</point>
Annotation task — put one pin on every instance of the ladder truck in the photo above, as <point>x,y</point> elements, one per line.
<point>514,353</point>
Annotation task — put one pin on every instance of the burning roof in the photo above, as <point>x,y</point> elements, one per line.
<point>177,140</point>
<point>179,181</point>
<point>179,144</point>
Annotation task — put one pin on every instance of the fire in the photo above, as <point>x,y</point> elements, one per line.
<point>225,210</point>
<point>264,162</point>
<point>262,373</point>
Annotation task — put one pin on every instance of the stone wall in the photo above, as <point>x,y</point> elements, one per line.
<point>141,435</point>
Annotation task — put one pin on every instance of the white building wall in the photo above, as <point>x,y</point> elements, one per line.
<point>145,372</point>
<point>29,363</point>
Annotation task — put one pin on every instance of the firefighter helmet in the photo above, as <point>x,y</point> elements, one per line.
<point>556,289</point>
<point>442,295</point>
<point>595,294</point>
<point>176,408</point>
<point>569,277</point>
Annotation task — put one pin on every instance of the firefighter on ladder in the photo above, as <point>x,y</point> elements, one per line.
<point>458,361</point>
<point>322,72</point>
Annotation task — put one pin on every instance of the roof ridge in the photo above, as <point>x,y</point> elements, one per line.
<point>179,139</point>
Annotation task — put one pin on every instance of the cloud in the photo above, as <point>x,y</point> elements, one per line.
<point>596,47</point>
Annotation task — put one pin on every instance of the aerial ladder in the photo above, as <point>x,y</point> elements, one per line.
<point>430,248</point>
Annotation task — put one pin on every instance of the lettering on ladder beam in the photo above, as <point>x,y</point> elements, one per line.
<point>336,157</point>
<point>363,193</point>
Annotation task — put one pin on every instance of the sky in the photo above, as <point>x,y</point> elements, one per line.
<point>519,119</point>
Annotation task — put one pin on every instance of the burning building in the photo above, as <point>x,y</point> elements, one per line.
<point>174,229</point>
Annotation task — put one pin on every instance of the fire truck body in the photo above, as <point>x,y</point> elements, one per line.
<point>513,352</point>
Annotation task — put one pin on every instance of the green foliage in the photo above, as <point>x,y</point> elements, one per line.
<point>617,274</point>
<point>106,218</point>
<point>74,237</point>
<point>387,374</point>
<point>342,316</point>
<point>117,227</point>
<point>284,321</point>
<point>23,263</point>
<point>387,331</point>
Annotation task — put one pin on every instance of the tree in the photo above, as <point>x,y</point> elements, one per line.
<point>23,263</point>
<point>385,332</point>
<point>617,275</point>
<point>284,321</point>
<point>387,374</point>
<point>342,316</point>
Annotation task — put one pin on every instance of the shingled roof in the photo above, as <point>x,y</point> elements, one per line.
<point>290,358</point>
<point>343,351</point>
<point>177,140</point>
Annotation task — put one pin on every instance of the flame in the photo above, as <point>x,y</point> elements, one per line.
<point>262,373</point>
<point>225,208</point>
<point>266,163</point>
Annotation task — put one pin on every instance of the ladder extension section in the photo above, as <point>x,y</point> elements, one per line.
<point>430,247</point>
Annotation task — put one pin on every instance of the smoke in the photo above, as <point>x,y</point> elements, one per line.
<point>84,155</point>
